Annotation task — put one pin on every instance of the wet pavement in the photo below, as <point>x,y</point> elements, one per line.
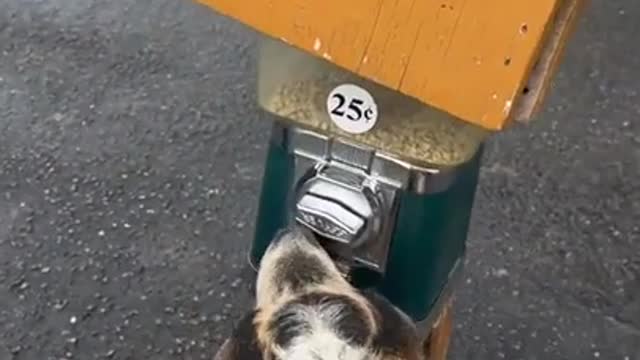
<point>131,153</point>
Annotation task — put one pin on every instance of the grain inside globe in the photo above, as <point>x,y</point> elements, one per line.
<point>405,129</point>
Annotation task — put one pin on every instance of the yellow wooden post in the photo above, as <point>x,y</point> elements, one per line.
<point>487,62</point>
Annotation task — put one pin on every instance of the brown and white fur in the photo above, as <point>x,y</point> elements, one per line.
<point>306,310</point>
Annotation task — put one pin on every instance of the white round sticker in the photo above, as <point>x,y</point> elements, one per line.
<point>352,109</point>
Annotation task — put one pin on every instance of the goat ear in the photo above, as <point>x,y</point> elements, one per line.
<point>294,263</point>
<point>397,336</point>
<point>243,343</point>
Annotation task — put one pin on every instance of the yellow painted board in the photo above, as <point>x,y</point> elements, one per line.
<point>470,58</point>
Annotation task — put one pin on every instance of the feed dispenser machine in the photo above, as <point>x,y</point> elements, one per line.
<point>380,110</point>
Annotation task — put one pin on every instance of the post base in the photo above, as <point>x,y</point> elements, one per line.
<point>436,345</point>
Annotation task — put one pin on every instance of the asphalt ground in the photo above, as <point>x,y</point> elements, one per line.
<point>131,153</point>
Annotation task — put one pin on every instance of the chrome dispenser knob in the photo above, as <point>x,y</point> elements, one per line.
<point>340,206</point>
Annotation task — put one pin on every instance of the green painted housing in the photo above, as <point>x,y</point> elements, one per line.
<point>429,237</point>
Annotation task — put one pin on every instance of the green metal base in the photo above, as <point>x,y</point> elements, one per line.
<point>427,244</point>
<point>273,209</point>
